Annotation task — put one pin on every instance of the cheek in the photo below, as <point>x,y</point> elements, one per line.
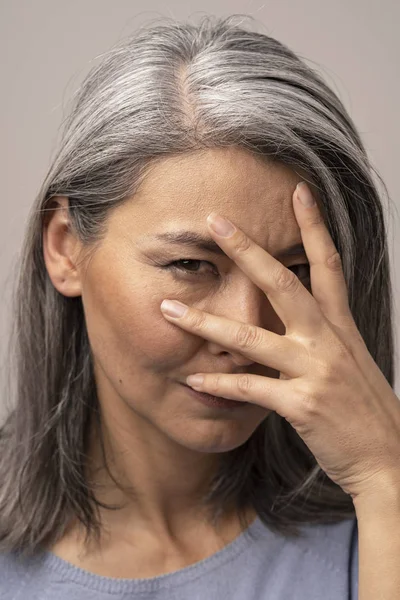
<point>126,328</point>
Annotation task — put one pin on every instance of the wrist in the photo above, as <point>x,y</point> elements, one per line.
<point>381,500</point>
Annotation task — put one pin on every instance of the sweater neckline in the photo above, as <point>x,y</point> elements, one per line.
<point>72,573</point>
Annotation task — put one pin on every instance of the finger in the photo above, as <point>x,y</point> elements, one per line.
<point>327,278</point>
<point>262,346</point>
<point>274,394</point>
<point>292,302</point>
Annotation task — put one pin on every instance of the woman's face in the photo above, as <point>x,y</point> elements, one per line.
<point>141,359</point>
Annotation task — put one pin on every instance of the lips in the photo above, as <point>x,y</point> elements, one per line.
<point>215,371</point>
<point>218,397</point>
<point>215,402</point>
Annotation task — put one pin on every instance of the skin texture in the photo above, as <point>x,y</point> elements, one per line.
<point>160,441</point>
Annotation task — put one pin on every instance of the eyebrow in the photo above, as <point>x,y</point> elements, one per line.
<point>196,240</point>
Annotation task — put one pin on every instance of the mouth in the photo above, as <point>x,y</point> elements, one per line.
<point>214,401</point>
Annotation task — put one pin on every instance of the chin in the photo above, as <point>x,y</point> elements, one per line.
<point>212,437</point>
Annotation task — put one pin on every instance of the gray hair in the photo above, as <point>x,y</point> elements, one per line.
<point>172,88</point>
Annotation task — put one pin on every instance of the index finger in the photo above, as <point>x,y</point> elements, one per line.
<point>292,302</point>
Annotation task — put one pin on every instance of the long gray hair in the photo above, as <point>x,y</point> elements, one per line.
<point>169,89</point>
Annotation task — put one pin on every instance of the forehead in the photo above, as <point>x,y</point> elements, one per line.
<point>256,194</point>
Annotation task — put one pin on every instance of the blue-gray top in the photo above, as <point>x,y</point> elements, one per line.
<point>322,564</point>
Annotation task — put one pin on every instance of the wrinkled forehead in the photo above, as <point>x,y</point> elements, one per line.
<point>256,194</point>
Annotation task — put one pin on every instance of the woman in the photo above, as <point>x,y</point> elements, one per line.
<point>118,478</point>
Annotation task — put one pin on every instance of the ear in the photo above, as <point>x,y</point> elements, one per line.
<point>61,249</point>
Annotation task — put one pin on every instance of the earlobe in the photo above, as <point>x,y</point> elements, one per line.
<point>60,248</point>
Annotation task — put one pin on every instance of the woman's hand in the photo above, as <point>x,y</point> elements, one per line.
<point>330,389</point>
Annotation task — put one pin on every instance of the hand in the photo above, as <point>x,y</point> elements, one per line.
<point>330,388</point>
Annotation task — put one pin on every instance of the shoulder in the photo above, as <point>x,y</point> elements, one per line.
<point>335,547</point>
<point>14,575</point>
<point>45,576</point>
<point>335,544</point>
<point>322,562</point>
<point>20,576</point>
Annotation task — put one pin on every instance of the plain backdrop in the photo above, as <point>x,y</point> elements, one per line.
<point>47,47</point>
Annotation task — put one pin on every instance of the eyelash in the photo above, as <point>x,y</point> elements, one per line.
<point>173,266</point>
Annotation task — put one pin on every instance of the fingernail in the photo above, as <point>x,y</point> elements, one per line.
<point>304,194</point>
<point>173,308</point>
<point>221,226</point>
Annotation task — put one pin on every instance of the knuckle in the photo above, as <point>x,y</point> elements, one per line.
<point>241,243</point>
<point>214,384</point>
<point>326,372</point>
<point>331,371</point>
<point>346,321</point>
<point>315,219</point>
<point>309,402</point>
<point>247,336</point>
<point>198,320</point>
<point>286,281</point>
<point>244,384</point>
<point>334,262</point>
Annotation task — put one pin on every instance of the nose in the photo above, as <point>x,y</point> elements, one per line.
<point>244,303</point>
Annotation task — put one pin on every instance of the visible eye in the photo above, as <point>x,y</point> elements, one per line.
<point>189,266</point>
<point>303,273</point>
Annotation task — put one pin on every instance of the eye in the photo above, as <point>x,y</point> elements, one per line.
<point>303,273</point>
<point>190,266</point>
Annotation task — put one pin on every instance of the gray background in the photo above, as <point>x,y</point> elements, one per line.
<point>47,47</point>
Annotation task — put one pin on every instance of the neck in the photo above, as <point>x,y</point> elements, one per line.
<point>158,485</point>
